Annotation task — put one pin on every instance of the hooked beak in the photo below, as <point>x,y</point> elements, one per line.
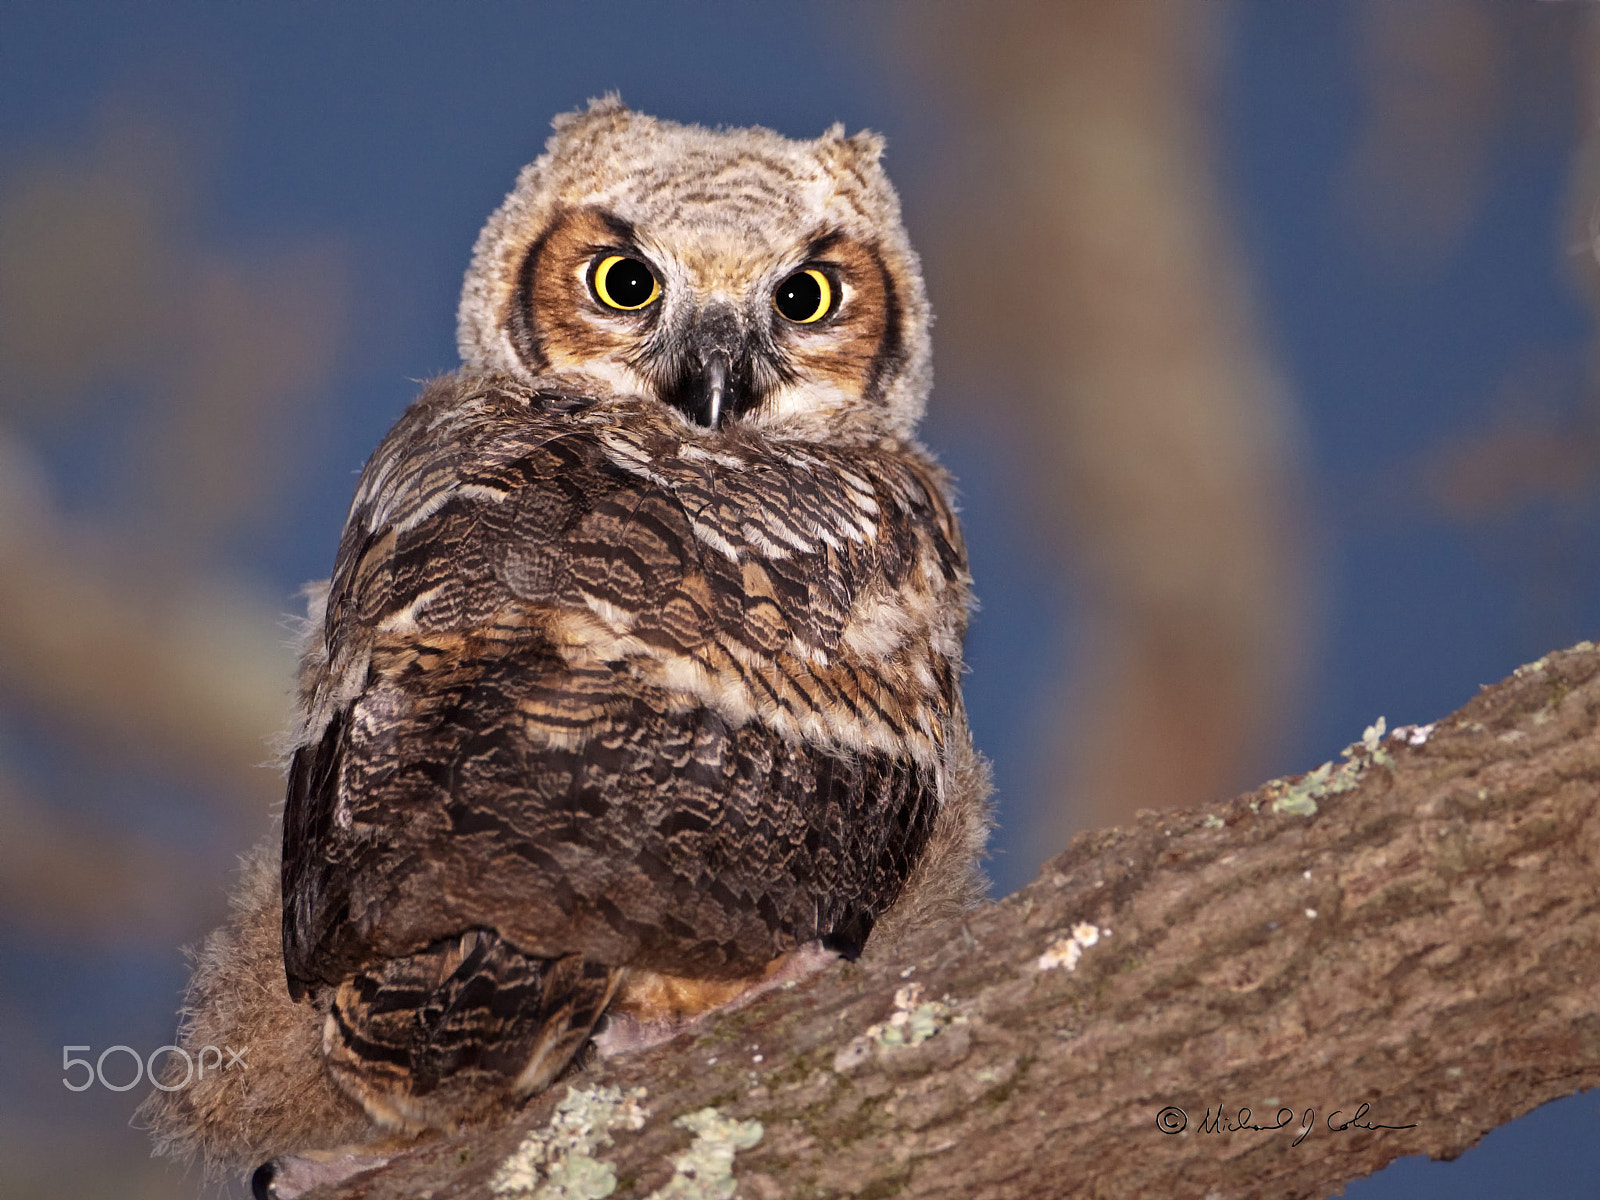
<point>713,388</point>
<point>709,388</point>
<point>710,375</point>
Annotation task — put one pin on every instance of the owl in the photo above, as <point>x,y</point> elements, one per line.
<point>636,686</point>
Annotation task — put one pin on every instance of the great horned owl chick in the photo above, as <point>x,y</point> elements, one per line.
<point>637,681</point>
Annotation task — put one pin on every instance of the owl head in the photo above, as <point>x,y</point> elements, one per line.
<point>733,275</point>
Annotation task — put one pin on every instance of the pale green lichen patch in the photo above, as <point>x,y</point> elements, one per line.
<point>705,1170</point>
<point>558,1162</point>
<point>1213,821</point>
<point>913,1022</point>
<point>1371,745</point>
<point>1299,799</point>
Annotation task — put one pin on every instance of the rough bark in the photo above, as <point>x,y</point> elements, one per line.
<point>1415,928</point>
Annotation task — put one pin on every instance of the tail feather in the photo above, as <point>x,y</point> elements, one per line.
<point>445,1035</point>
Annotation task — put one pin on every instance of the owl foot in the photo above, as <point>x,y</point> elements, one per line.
<point>293,1175</point>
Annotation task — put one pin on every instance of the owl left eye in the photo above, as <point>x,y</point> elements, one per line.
<point>805,297</point>
<point>622,282</point>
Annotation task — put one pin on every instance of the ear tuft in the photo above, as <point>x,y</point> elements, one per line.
<point>858,151</point>
<point>866,146</point>
<point>601,111</point>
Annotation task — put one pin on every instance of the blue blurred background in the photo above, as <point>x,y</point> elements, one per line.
<point>1266,363</point>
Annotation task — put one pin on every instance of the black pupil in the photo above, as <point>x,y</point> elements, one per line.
<point>799,297</point>
<point>630,282</point>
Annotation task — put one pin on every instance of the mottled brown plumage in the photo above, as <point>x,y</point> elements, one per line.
<point>636,684</point>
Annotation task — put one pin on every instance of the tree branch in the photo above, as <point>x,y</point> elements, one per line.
<point>1416,928</point>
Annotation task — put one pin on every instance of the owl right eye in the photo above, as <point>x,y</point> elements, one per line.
<point>623,283</point>
<point>805,297</point>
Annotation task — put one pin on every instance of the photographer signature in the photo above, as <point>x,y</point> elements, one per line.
<point>1172,1120</point>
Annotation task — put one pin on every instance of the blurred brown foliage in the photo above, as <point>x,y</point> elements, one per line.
<point>1088,276</point>
<point>118,631</point>
<point>178,369</point>
<point>1445,81</point>
<point>1092,294</point>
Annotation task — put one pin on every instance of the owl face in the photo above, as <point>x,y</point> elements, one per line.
<point>710,320</point>
<point>734,276</point>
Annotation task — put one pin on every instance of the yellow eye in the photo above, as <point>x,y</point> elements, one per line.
<point>622,282</point>
<point>804,297</point>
